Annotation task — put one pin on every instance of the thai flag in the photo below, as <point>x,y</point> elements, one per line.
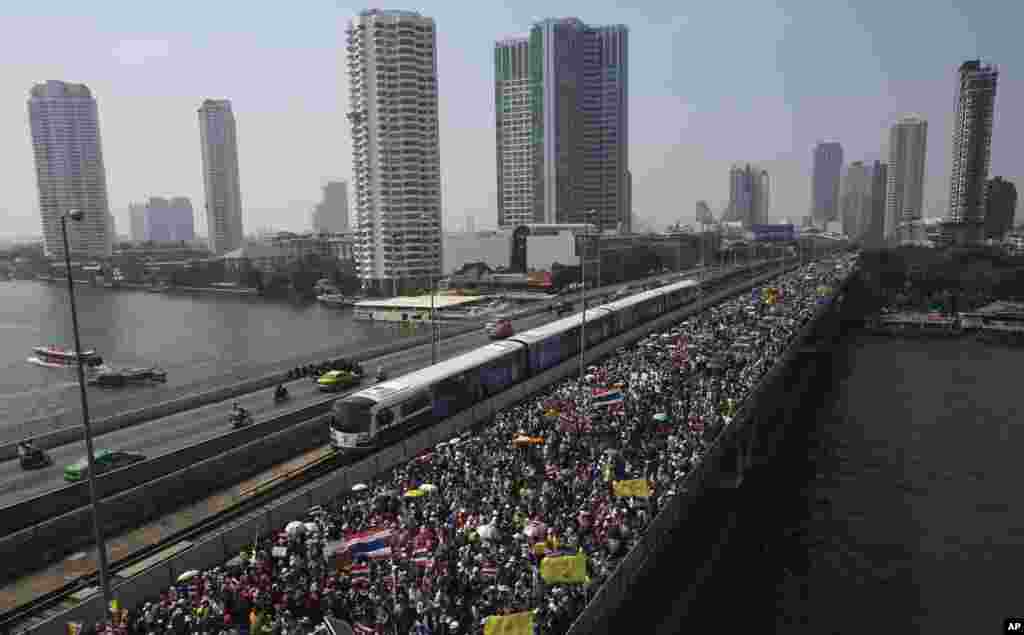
<point>423,561</point>
<point>370,544</point>
<point>608,397</point>
<point>489,570</point>
<point>363,629</point>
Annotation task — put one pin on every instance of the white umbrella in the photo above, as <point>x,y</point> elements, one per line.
<point>358,487</point>
<point>188,575</point>
<point>487,532</point>
<point>428,487</point>
<point>295,528</point>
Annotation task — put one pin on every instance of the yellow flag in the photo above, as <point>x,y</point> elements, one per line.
<point>74,628</point>
<point>114,607</point>
<point>515,624</point>
<point>637,487</point>
<point>565,569</point>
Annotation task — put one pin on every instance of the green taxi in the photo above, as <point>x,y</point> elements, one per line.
<point>336,380</point>
<point>105,461</point>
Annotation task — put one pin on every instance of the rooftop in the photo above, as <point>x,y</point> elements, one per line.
<point>421,302</point>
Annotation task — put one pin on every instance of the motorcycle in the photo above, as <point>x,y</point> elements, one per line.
<point>281,397</point>
<point>241,419</point>
<point>33,458</point>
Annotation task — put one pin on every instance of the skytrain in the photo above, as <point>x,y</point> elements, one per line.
<point>394,409</point>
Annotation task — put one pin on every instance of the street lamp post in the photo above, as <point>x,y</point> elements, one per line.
<point>583,294</point>
<point>101,547</point>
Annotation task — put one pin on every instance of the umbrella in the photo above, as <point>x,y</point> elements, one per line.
<point>414,493</point>
<point>487,532</point>
<point>661,417</point>
<point>188,575</point>
<point>295,528</point>
<point>428,487</point>
<point>358,487</point>
<point>535,529</point>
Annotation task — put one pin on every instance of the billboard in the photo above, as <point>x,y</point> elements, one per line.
<point>774,232</point>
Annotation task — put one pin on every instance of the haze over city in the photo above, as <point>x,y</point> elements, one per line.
<point>708,88</point>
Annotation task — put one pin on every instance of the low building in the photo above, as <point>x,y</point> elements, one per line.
<point>417,308</point>
<point>258,256</point>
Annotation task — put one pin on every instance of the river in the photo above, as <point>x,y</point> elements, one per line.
<point>896,512</point>
<point>199,339</point>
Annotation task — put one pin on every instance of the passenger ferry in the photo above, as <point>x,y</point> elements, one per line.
<point>57,357</point>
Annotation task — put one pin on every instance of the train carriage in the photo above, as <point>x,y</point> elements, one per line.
<point>549,345</point>
<point>392,409</point>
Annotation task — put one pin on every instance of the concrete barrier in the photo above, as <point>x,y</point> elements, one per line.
<point>40,544</point>
<point>329,487</point>
<point>41,508</point>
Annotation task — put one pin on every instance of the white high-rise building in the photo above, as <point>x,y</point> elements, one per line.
<point>219,140</point>
<point>69,168</point>
<point>904,194</point>
<point>330,216</point>
<point>396,156</point>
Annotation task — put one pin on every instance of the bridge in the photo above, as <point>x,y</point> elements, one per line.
<point>223,458</point>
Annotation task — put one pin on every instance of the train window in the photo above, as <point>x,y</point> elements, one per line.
<point>499,375</point>
<point>452,396</point>
<point>416,404</point>
<point>385,419</point>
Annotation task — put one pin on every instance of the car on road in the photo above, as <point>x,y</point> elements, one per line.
<point>105,461</point>
<point>500,329</point>
<point>336,380</point>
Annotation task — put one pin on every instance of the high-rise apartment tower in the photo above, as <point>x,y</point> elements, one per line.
<point>828,166</point>
<point>904,198</point>
<point>331,214</point>
<point>972,142</point>
<point>70,175</point>
<point>562,125</point>
<point>396,155</point>
<point>219,140</point>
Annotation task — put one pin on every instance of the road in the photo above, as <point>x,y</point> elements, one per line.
<point>195,426</point>
<point>172,433</point>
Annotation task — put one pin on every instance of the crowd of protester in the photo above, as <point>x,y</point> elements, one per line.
<point>468,523</point>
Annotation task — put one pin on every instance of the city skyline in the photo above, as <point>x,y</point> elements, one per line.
<point>693,122</point>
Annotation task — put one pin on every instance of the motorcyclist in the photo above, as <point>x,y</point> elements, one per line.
<point>238,413</point>
<point>280,392</point>
<point>381,375</point>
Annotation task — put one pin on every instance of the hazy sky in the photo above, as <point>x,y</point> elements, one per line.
<point>711,83</point>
